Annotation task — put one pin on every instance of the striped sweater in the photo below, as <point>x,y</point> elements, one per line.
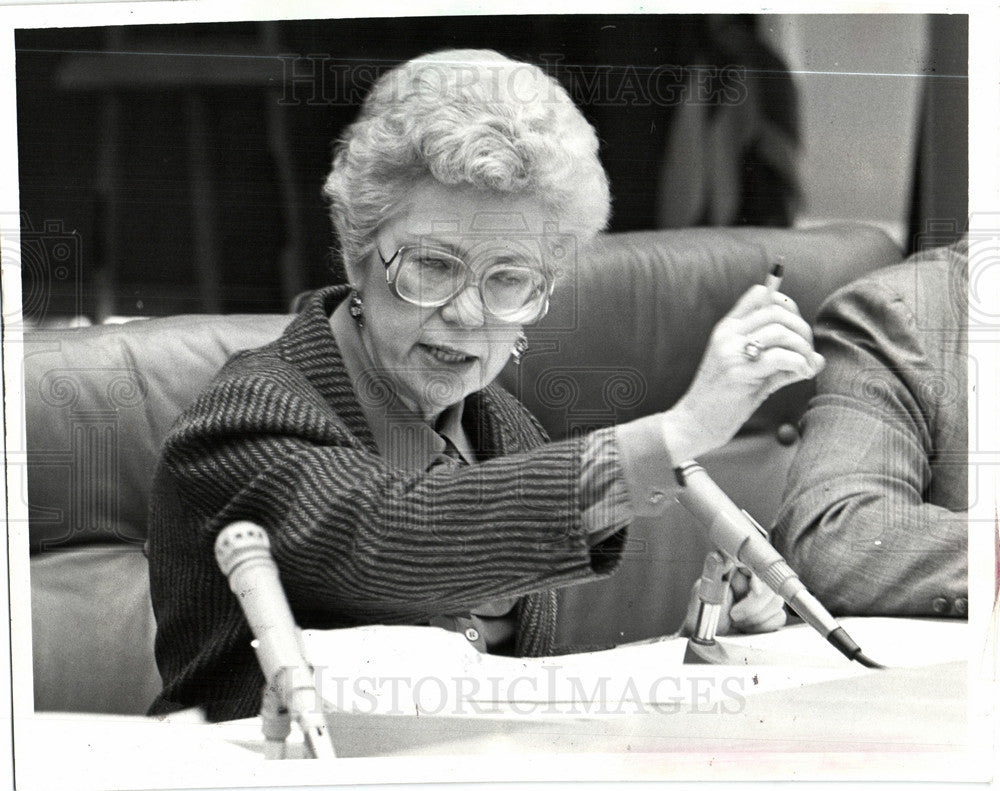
<point>279,439</point>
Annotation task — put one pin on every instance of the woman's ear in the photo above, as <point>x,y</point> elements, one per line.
<point>359,271</point>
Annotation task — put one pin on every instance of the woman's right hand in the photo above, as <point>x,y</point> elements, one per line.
<point>728,385</point>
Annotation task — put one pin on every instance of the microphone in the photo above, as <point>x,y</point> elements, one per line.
<point>737,536</point>
<point>243,553</point>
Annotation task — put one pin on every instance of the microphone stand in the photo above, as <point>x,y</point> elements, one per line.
<point>291,694</point>
<point>276,723</point>
<point>702,647</point>
<point>243,553</point>
<point>739,538</point>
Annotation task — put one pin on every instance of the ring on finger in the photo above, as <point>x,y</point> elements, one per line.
<point>752,351</point>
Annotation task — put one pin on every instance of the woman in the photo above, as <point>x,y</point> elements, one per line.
<point>397,482</point>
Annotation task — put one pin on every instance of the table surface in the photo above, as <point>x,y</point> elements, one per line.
<point>420,704</point>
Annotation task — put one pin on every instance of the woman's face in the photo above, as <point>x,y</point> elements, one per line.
<point>436,356</point>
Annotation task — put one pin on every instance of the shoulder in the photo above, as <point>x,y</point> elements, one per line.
<point>928,288</point>
<point>257,393</point>
<point>899,330</point>
<point>293,385</point>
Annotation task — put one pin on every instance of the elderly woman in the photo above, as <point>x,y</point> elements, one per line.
<point>397,481</point>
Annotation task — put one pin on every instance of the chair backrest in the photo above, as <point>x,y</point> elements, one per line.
<point>98,404</point>
<point>623,339</point>
<point>627,331</point>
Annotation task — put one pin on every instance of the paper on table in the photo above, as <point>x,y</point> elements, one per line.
<point>413,670</point>
<point>893,642</point>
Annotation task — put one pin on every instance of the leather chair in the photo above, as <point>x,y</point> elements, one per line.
<point>623,339</point>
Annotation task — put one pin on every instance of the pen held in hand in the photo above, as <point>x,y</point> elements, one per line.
<point>773,280</point>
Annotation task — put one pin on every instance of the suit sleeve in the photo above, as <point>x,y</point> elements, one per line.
<point>856,522</point>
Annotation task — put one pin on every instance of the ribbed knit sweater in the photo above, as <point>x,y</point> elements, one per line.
<point>279,439</point>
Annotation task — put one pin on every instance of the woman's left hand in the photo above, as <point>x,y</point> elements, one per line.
<point>749,606</point>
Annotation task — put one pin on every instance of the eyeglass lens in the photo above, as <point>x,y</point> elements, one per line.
<point>432,277</point>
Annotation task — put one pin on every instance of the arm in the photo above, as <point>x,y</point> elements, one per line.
<point>859,520</point>
<point>354,535</point>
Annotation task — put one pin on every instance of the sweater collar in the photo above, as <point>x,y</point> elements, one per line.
<point>309,344</point>
<point>404,438</point>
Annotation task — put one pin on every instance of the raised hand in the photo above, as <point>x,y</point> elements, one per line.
<point>760,346</point>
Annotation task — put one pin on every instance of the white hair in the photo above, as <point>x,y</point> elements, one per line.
<point>466,117</point>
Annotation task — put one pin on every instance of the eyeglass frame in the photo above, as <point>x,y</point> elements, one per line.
<point>391,282</point>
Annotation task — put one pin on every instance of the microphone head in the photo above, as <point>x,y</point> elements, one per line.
<point>239,542</point>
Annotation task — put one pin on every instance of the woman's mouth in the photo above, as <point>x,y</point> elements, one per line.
<point>447,355</point>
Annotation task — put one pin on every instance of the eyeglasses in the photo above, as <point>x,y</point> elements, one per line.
<point>430,277</point>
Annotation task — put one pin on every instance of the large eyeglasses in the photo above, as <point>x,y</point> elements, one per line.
<point>430,277</point>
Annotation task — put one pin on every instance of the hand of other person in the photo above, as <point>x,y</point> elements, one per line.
<point>729,385</point>
<point>749,607</point>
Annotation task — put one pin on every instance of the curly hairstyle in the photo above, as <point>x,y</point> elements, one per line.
<point>466,117</point>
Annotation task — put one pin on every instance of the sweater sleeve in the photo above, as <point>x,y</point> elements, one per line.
<point>352,534</point>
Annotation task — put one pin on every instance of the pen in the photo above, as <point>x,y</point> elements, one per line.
<point>773,281</point>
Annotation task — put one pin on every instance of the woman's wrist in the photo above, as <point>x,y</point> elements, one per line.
<point>684,436</point>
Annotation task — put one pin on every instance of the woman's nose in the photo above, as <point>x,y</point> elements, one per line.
<point>465,309</point>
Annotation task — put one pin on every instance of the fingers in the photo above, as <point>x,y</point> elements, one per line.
<point>774,326</point>
<point>770,624</point>
<point>756,609</point>
<point>775,382</point>
<point>739,582</point>
<point>760,610</point>
<point>788,352</point>
<point>761,345</point>
<point>776,319</point>
<point>757,297</point>
<point>771,321</point>
<point>776,360</point>
<point>772,363</point>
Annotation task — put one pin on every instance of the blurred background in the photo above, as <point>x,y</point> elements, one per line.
<point>177,168</point>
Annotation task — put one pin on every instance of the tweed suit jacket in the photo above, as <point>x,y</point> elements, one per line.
<point>874,516</point>
<point>280,439</point>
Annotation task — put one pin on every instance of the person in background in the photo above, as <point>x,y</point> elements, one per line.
<point>874,517</point>
<point>397,481</point>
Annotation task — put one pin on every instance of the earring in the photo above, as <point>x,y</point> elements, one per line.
<point>520,349</point>
<point>357,309</point>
